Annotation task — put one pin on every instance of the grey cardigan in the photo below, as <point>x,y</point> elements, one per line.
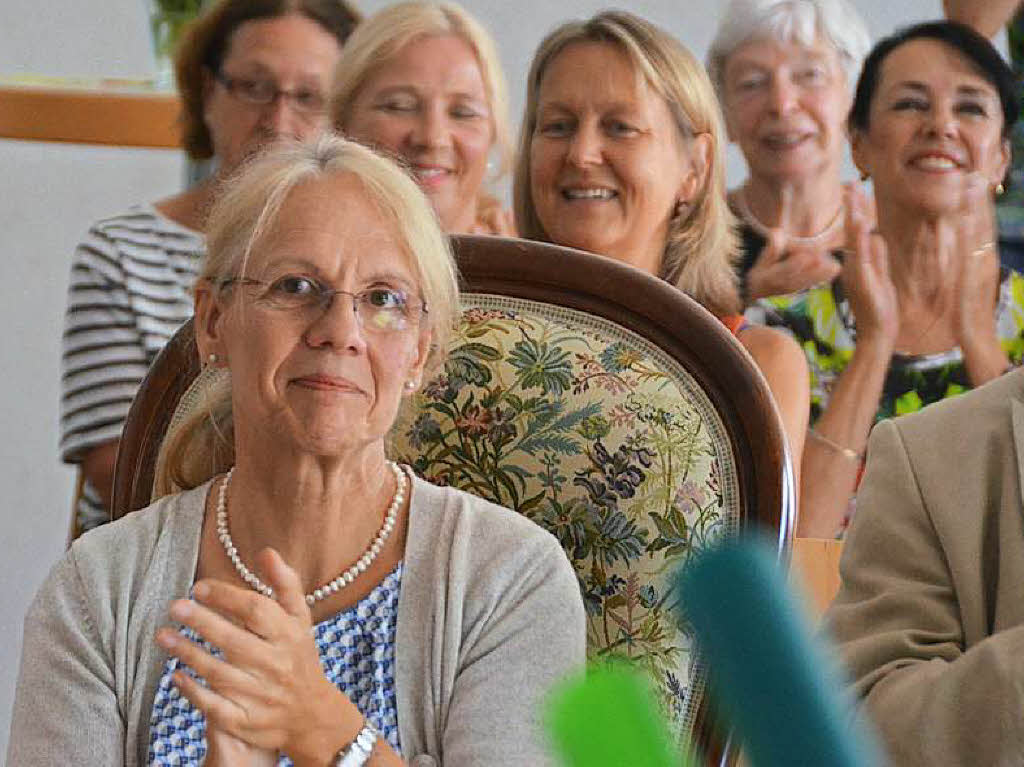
<point>489,617</point>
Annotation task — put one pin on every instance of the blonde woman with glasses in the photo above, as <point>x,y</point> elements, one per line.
<point>299,598</point>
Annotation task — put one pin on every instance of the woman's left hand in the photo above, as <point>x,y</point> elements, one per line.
<point>977,284</point>
<point>269,689</point>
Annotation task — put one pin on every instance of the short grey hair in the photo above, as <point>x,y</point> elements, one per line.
<point>800,21</point>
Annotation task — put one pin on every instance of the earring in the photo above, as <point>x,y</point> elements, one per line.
<point>999,189</point>
<point>212,359</point>
<point>410,385</point>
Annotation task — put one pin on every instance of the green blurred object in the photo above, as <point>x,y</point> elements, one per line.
<point>610,719</point>
<point>167,19</point>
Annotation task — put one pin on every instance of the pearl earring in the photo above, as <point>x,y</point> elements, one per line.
<point>410,385</point>
<point>212,359</point>
<point>999,189</point>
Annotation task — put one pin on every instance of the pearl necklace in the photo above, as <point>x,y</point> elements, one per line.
<point>794,239</point>
<point>342,580</point>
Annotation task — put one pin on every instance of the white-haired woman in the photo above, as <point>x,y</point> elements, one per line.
<point>359,614</point>
<point>631,167</point>
<point>784,70</point>
<point>422,82</point>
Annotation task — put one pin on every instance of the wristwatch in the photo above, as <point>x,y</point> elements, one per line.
<point>357,753</point>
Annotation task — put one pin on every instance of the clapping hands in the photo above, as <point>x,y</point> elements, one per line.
<point>268,695</point>
<point>866,277</point>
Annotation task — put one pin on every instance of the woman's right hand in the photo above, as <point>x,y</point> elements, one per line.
<point>782,269</point>
<point>865,276</point>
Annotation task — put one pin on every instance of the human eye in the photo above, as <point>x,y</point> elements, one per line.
<point>258,91</point>
<point>555,127</point>
<point>972,107</point>
<point>397,103</point>
<point>910,103</point>
<point>812,75</point>
<point>309,99</point>
<point>293,290</point>
<point>466,112</point>
<point>620,128</point>
<point>750,82</point>
<point>384,298</point>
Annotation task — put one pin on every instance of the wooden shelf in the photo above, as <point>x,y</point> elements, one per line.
<point>84,116</point>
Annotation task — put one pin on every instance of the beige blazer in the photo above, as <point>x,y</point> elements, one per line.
<point>930,614</point>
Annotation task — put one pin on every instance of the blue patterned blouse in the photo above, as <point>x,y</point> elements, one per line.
<point>357,651</point>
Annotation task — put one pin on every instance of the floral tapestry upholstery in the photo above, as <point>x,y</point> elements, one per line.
<point>600,437</point>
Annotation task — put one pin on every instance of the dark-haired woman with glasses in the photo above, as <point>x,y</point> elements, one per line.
<point>250,72</point>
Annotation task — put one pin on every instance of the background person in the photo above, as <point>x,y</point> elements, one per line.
<point>249,73</point>
<point>631,168</point>
<point>328,291</point>
<point>922,310</point>
<point>422,82</point>
<point>987,17</point>
<point>784,72</point>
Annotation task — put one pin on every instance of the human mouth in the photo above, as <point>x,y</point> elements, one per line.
<point>430,175</point>
<point>784,141</point>
<point>935,163</point>
<point>588,193</point>
<point>322,382</point>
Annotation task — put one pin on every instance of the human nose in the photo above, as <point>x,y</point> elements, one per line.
<point>279,118</point>
<point>585,146</point>
<point>941,121</point>
<point>431,127</point>
<point>337,324</point>
<point>783,94</point>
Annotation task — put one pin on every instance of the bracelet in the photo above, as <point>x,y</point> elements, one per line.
<point>357,753</point>
<point>844,451</point>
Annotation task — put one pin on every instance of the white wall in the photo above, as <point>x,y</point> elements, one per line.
<point>49,193</point>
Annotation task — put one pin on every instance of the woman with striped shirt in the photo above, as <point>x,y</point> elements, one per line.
<point>250,73</point>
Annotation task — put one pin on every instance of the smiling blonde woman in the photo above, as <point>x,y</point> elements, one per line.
<point>422,82</point>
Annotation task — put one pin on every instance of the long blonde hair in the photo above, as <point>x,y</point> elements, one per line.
<point>702,246</point>
<point>200,444</point>
<point>388,31</point>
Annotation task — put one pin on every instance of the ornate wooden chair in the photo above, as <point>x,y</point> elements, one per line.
<point>600,402</point>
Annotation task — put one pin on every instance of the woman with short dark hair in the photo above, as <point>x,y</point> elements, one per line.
<point>921,310</point>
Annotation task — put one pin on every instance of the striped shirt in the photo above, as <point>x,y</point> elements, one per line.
<point>130,290</point>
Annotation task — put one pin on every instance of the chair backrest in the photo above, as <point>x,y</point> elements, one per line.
<point>602,403</point>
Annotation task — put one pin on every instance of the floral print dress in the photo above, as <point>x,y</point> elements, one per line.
<point>821,322</point>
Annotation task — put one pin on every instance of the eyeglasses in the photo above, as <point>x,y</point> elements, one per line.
<point>378,310</point>
<point>262,92</point>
